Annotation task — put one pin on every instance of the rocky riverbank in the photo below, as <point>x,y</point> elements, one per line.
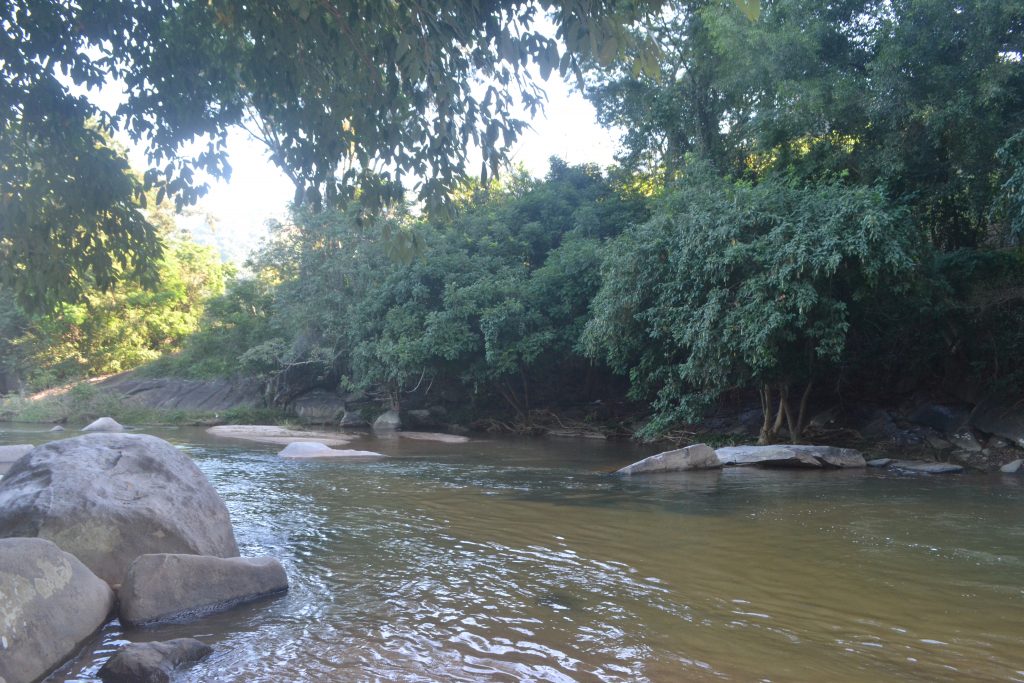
<point>112,525</point>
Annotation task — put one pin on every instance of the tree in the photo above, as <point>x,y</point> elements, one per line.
<point>732,286</point>
<point>351,98</point>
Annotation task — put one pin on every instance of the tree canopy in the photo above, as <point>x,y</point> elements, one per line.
<point>350,97</point>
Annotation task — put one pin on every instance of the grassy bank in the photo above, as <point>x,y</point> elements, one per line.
<point>83,403</point>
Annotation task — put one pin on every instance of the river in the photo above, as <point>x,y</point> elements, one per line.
<point>523,560</point>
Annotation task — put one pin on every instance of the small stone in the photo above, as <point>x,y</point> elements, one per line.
<point>56,428</point>
<point>1012,467</point>
<point>879,462</point>
<point>998,442</point>
<point>154,662</point>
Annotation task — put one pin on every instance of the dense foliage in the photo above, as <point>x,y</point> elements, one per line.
<point>109,330</point>
<point>829,199</point>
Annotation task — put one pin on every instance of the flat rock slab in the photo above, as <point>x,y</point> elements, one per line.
<point>696,457</point>
<point>316,449</point>
<point>791,455</point>
<point>925,467</point>
<point>880,462</point>
<point>434,436</point>
<point>154,662</point>
<point>165,586</point>
<point>279,435</point>
<point>108,498</point>
<point>104,424</point>
<point>49,603</point>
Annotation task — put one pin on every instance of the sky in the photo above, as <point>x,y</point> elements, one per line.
<point>235,212</point>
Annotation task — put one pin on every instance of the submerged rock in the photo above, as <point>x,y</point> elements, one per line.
<point>925,467</point>
<point>108,498</point>
<point>104,424</point>
<point>434,436</point>
<point>879,462</point>
<point>696,457</point>
<point>170,586</point>
<point>49,603</point>
<point>315,449</point>
<point>154,662</point>
<point>270,434</point>
<point>56,428</point>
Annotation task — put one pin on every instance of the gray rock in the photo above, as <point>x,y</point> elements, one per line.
<point>56,428</point>
<point>942,418</point>
<point>879,462</point>
<point>185,394</point>
<point>49,603</point>
<point>1012,467</point>
<point>925,467</point>
<point>832,456</point>
<point>166,586</point>
<point>935,441</point>
<point>696,457</point>
<point>104,424</point>
<point>773,456</point>
<point>998,442</point>
<point>791,455</point>
<point>1002,416</point>
<point>975,460</point>
<point>154,662</point>
<point>964,440</point>
<point>108,498</point>
<point>319,407</point>
<point>9,454</point>
<point>350,419</point>
<point>388,421</point>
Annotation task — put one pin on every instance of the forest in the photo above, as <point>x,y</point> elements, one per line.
<point>827,200</point>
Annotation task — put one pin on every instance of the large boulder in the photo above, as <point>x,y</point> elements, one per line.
<point>1002,416</point>
<point>388,421</point>
<point>791,455</point>
<point>696,457</point>
<point>108,498</point>
<point>49,603</point>
<point>171,393</point>
<point>319,407</point>
<point>765,456</point>
<point>944,419</point>
<point>104,424</point>
<point>154,662</point>
<point>166,586</point>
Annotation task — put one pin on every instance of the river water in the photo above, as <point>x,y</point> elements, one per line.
<point>523,560</point>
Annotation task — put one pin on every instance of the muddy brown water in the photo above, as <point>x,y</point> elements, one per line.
<point>523,560</point>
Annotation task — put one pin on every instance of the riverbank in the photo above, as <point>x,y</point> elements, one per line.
<point>984,436</point>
